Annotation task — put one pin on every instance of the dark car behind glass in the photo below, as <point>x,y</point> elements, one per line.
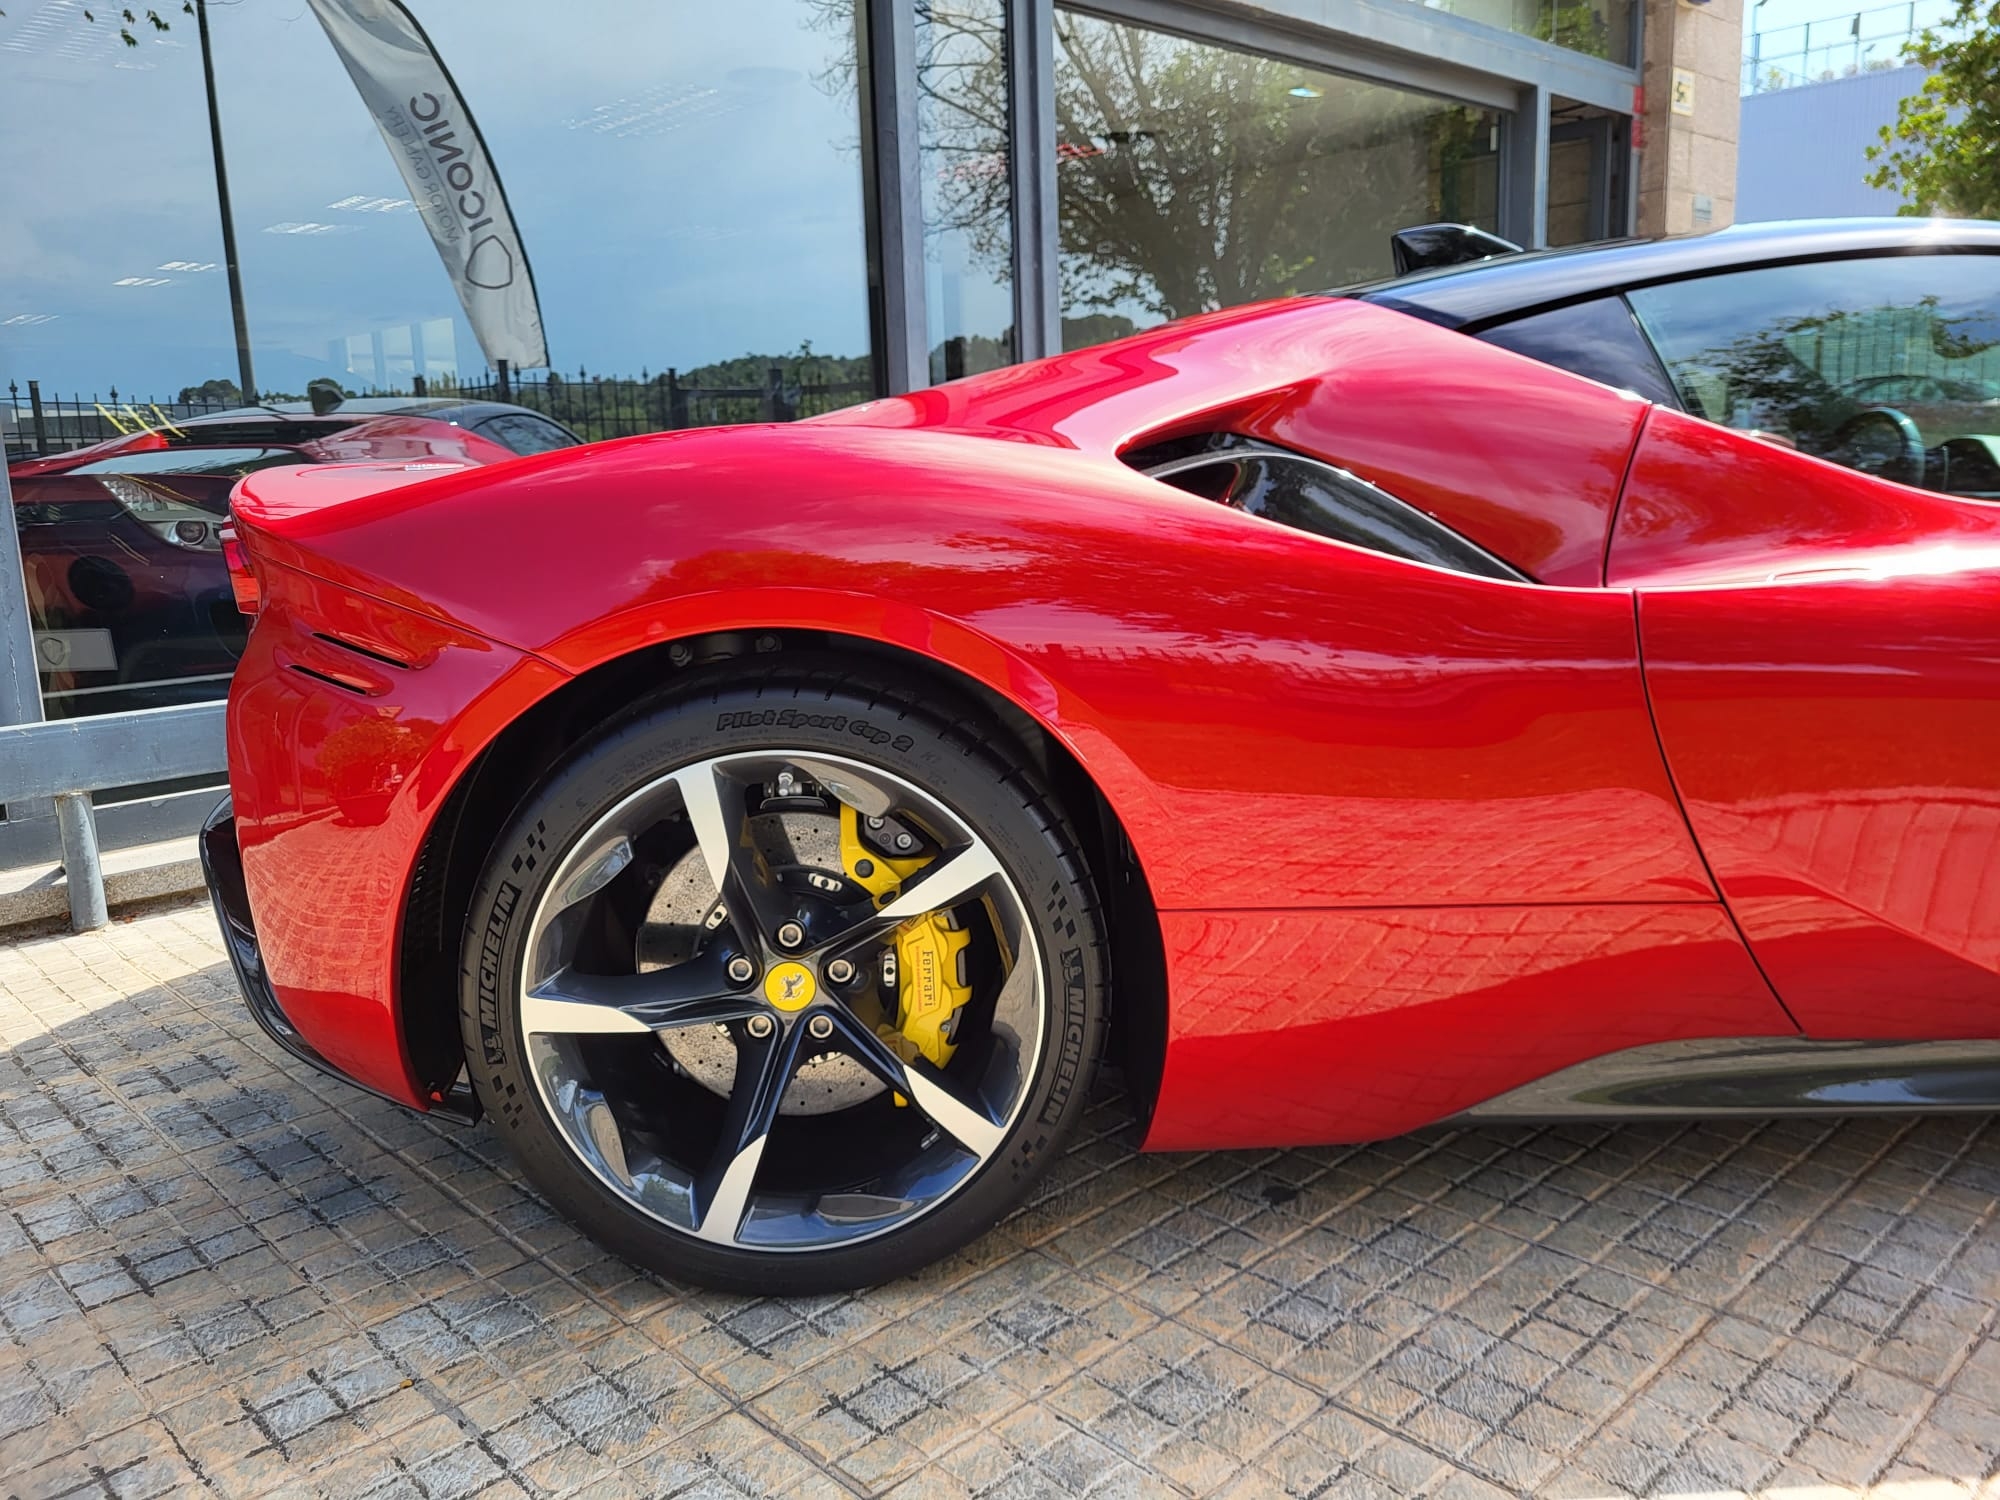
<point>121,542</point>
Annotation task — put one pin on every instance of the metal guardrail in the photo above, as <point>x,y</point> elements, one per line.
<point>60,756</point>
<point>1841,46</point>
<point>63,760</point>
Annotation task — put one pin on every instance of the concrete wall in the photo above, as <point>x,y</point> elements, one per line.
<point>1803,152</point>
<point>1687,160</point>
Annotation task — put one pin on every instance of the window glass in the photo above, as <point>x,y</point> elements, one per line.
<point>1192,177</point>
<point>641,153</point>
<point>1888,364</point>
<point>1597,28</point>
<point>687,182</point>
<point>525,434</point>
<point>968,198</point>
<point>1597,340</point>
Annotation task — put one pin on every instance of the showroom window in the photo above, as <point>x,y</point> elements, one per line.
<point>968,198</point>
<point>1192,176</point>
<point>686,180</point>
<point>1598,28</point>
<point>641,153</point>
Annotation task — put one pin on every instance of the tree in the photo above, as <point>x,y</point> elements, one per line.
<point>213,390</point>
<point>1190,176</point>
<point>1943,151</point>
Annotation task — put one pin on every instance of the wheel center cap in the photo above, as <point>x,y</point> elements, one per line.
<point>790,986</point>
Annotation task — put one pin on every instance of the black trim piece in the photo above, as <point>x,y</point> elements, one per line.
<point>359,689</point>
<point>1321,499</point>
<point>1468,297</point>
<point>1761,1076</point>
<point>222,868</point>
<point>368,651</point>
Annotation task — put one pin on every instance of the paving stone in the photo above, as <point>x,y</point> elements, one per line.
<point>221,1275</point>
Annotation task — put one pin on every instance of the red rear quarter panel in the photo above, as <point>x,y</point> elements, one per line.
<point>1523,458</point>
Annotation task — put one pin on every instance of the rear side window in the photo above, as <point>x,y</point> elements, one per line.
<point>521,433</point>
<point>1309,495</point>
<point>1888,364</point>
<point>1596,339</point>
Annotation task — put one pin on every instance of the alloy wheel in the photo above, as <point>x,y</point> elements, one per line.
<point>782,1000</point>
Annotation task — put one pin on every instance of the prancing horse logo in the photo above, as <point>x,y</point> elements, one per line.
<point>789,986</point>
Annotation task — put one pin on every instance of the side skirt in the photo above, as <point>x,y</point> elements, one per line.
<point>1760,1076</point>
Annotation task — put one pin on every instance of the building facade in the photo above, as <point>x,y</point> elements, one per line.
<point>769,208</point>
<point>1805,146</point>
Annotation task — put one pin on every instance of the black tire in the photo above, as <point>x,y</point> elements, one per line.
<point>955,758</point>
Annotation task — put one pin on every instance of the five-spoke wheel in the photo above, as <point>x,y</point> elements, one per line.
<point>783,1013</point>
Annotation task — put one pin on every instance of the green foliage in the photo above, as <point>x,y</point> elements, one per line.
<point>1579,27</point>
<point>226,391</point>
<point>1943,151</point>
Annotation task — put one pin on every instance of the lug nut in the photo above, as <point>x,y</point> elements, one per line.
<point>819,1028</point>
<point>840,971</point>
<point>740,970</point>
<point>791,935</point>
<point>759,1026</point>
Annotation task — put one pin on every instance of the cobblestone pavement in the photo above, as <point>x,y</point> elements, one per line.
<point>220,1273</point>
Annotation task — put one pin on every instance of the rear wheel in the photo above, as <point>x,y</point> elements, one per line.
<point>785,987</point>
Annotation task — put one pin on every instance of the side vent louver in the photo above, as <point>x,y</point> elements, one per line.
<point>1309,494</point>
<point>359,650</point>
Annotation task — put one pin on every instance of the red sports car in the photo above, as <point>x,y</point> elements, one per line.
<point>1350,721</point>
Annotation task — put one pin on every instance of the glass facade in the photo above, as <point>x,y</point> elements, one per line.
<point>695,186</point>
<point>962,107</point>
<point>642,159</point>
<point>1192,176</point>
<point>686,179</point>
<point>1598,28</point>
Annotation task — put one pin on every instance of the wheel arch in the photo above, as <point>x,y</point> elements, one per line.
<point>455,846</point>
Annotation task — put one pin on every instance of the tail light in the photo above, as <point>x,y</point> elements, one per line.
<point>242,577</point>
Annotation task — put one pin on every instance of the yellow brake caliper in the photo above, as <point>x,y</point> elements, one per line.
<point>929,978</point>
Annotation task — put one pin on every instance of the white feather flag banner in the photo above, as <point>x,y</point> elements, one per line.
<point>438,149</point>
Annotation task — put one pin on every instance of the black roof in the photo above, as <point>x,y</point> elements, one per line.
<point>1466,295</point>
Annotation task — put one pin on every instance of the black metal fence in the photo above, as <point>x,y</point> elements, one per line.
<point>601,406</point>
<point>35,423</point>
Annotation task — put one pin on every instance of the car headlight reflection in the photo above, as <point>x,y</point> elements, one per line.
<point>166,516</point>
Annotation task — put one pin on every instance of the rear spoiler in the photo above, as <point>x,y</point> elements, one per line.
<point>1423,247</point>
<point>281,494</point>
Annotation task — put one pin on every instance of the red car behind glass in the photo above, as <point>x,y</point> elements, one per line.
<point>1352,721</point>
<point>121,541</point>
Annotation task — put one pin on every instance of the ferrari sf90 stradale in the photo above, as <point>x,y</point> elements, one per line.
<point>1565,684</point>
